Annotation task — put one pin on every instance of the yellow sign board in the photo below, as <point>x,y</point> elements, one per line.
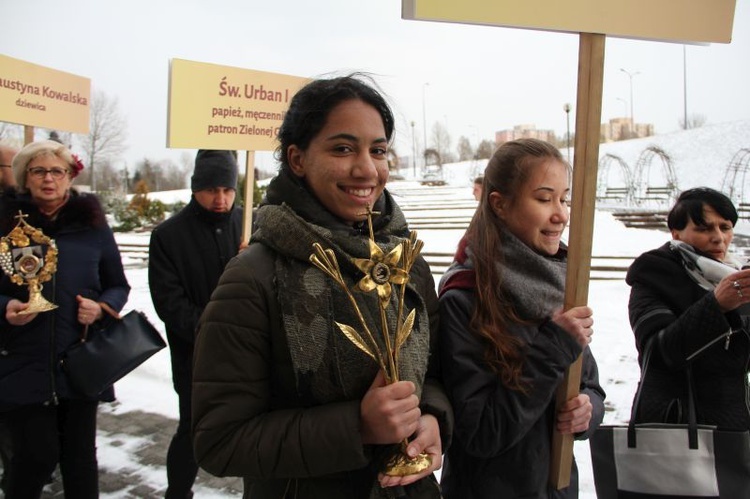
<point>222,107</point>
<point>697,21</point>
<point>42,97</point>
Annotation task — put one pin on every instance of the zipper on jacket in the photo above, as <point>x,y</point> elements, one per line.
<point>53,361</point>
<point>726,337</point>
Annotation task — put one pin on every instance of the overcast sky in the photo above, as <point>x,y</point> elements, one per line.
<point>474,79</point>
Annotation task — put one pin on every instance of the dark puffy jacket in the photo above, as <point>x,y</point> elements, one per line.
<point>88,264</point>
<point>685,320</point>
<point>248,417</point>
<point>502,438</point>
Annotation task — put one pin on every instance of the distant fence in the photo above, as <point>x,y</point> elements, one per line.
<point>136,254</point>
<point>602,267</point>
<point>642,219</point>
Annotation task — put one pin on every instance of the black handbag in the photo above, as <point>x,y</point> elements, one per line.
<point>654,460</point>
<point>102,358</point>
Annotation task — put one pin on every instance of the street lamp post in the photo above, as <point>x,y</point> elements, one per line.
<point>684,87</point>
<point>566,108</point>
<point>424,119</point>
<point>625,106</point>
<point>413,149</point>
<point>630,77</point>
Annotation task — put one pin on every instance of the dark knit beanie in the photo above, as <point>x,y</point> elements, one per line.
<point>214,169</point>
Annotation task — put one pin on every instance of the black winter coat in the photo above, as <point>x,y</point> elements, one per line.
<point>685,319</point>
<point>502,438</point>
<point>89,264</point>
<point>187,254</point>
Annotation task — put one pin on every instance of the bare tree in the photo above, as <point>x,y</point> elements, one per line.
<point>107,133</point>
<point>441,141</point>
<point>465,151</point>
<point>173,175</point>
<point>485,149</point>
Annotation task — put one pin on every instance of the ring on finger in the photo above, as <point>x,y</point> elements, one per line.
<point>736,285</point>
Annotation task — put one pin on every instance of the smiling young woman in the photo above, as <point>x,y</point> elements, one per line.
<point>505,341</point>
<point>281,396</point>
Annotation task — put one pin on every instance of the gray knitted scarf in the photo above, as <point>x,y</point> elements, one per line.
<point>327,366</point>
<point>534,283</point>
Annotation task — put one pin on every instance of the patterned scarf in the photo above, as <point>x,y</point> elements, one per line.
<point>328,367</point>
<point>534,283</point>
<point>704,270</point>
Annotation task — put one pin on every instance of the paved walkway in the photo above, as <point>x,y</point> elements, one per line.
<point>143,439</point>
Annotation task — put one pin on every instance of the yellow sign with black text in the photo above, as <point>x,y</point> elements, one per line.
<point>42,97</point>
<point>685,21</point>
<point>222,107</point>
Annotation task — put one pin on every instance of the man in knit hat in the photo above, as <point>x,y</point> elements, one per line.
<point>187,255</point>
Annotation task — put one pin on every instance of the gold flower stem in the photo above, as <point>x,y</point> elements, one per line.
<point>393,371</point>
<point>399,321</point>
<point>409,256</point>
<point>381,361</point>
<point>402,295</point>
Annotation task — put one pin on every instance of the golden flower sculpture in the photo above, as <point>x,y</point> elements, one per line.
<point>381,273</point>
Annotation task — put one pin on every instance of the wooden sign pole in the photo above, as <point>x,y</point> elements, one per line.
<point>28,134</point>
<point>247,212</point>
<point>583,198</point>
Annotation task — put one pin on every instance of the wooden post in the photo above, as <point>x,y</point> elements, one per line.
<point>28,134</point>
<point>583,199</point>
<point>247,213</point>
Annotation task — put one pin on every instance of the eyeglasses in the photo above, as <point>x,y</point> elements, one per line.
<point>40,172</point>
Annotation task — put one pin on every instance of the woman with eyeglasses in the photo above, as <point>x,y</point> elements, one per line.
<point>49,421</point>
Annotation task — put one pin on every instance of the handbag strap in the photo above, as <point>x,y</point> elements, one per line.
<point>111,311</point>
<point>692,417</point>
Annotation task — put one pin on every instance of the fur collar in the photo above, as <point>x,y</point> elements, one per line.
<point>82,210</point>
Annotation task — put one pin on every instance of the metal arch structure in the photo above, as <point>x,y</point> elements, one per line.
<point>433,163</point>
<point>643,191</point>
<point>604,190</point>
<point>735,176</point>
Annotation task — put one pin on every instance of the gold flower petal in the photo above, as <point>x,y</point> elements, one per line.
<point>363,264</point>
<point>375,252</point>
<point>399,276</point>
<point>393,257</point>
<point>366,284</point>
<point>384,293</point>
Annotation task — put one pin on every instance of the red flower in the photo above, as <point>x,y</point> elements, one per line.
<point>77,166</point>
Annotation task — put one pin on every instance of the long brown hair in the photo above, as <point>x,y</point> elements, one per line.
<point>510,167</point>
